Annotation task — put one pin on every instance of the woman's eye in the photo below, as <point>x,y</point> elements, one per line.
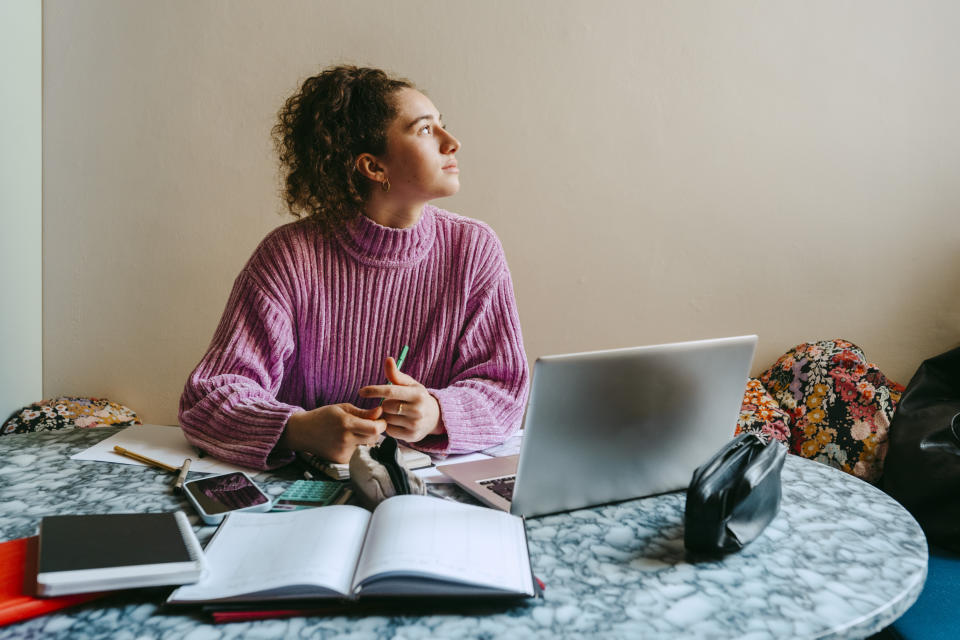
<point>425,129</point>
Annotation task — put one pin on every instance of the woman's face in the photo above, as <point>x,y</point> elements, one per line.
<point>419,161</point>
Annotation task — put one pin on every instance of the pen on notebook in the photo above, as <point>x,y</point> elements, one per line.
<point>403,356</point>
<point>144,459</point>
<point>178,485</point>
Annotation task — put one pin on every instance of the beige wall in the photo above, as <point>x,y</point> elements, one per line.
<point>21,313</point>
<point>657,171</point>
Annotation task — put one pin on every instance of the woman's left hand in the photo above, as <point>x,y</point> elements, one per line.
<point>411,412</point>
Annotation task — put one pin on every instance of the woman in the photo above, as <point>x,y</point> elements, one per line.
<point>301,360</point>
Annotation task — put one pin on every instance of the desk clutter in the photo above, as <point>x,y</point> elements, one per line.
<point>319,558</point>
<point>78,558</point>
<point>426,545</point>
<point>409,546</point>
<point>320,552</point>
<point>612,571</point>
<point>312,547</point>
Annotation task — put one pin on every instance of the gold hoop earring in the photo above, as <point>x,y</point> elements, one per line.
<point>385,185</point>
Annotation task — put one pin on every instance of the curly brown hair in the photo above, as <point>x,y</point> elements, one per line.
<point>335,116</point>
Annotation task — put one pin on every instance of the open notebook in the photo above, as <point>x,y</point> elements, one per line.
<point>409,546</point>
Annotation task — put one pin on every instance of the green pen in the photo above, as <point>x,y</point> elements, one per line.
<point>403,356</point>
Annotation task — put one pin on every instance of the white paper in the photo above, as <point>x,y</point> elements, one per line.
<point>157,441</point>
<point>423,536</point>
<point>432,476</point>
<point>281,552</point>
<point>509,448</point>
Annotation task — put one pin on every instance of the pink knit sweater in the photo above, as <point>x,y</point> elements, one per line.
<point>311,318</point>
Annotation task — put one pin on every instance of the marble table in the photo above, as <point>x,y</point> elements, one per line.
<point>841,560</point>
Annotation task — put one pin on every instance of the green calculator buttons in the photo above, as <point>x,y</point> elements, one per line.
<point>304,494</point>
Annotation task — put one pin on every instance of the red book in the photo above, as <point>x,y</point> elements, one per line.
<point>18,576</point>
<point>267,614</point>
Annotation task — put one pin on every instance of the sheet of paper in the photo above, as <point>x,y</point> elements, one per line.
<point>423,536</point>
<point>510,447</point>
<point>160,442</point>
<point>281,554</point>
<point>431,475</point>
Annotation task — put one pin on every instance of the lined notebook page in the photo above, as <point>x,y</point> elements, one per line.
<point>257,552</point>
<point>425,536</point>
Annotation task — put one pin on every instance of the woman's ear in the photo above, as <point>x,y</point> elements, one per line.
<point>369,167</point>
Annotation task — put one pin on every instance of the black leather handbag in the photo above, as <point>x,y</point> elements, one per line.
<point>922,468</point>
<point>734,496</point>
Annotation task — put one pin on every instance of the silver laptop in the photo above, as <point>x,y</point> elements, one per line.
<point>606,426</point>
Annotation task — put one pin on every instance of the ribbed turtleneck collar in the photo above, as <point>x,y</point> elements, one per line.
<point>375,245</point>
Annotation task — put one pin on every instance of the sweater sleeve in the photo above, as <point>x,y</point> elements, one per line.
<point>484,402</point>
<point>229,407</point>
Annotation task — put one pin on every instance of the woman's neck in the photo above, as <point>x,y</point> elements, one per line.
<point>387,212</point>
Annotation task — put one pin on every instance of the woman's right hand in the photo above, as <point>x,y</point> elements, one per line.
<point>333,431</point>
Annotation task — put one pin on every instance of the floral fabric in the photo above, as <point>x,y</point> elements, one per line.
<point>834,404</point>
<point>760,414</point>
<point>67,413</point>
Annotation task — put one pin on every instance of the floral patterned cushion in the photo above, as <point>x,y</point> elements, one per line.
<point>837,405</point>
<point>67,413</point>
<point>760,414</point>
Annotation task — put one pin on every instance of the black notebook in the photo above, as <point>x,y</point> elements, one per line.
<point>102,552</point>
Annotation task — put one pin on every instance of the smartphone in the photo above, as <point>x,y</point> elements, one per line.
<point>215,496</point>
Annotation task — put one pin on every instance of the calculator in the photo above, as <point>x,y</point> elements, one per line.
<point>304,494</point>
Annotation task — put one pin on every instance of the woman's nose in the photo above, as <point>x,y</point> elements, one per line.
<point>450,144</point>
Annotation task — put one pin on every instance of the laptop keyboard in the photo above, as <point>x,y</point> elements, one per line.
<point>502,486</point>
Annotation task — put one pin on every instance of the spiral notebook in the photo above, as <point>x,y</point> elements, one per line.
<point>103,552</point>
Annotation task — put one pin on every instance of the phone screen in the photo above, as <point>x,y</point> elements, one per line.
<point>228,492</point>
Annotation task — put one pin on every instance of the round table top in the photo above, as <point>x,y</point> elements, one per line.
<point>840,560</point>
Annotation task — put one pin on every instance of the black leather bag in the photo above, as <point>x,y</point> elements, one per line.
<point>734,496</point>
<point>922,468</point>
